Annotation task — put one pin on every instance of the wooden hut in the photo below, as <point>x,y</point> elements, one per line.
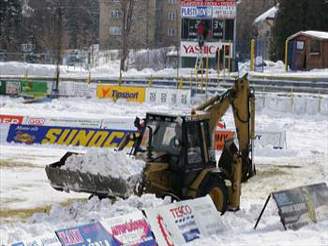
<point>307,50</point>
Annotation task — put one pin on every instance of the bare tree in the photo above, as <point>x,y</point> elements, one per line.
<point>127,7</point>
<point>47,26</point>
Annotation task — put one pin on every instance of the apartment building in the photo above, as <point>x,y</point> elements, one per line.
<point>155,24</point>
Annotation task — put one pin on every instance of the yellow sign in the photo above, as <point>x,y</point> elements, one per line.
<point>85,137</point>
<point>115,92</point>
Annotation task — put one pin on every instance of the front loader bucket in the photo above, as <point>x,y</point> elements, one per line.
<point>68,180</point>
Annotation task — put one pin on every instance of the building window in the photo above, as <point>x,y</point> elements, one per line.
<point>115,31</point>
<point>116,14</point>
<point>171,16</point>
<point>171,32</point>
<point>315,46</point>
<point>299,45</point>
<point>172,1</point>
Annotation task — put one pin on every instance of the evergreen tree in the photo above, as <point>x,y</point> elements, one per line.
<point>10,20</point>
<point>295,16</point>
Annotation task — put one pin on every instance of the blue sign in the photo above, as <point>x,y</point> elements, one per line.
<point>94,234</point>
<point>75,136</point>
<point>196,12</point>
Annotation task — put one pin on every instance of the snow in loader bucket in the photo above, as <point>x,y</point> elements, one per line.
<point>99,172</point>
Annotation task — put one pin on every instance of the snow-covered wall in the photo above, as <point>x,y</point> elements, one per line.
<point>293,103</point>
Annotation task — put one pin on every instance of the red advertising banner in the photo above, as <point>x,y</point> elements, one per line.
<point>10,119</point>
<point>208,2</point>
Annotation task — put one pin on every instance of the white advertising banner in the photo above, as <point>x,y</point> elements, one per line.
<point>130,229</point>
<point>63,121</point>
<point>66,89</point>
<point>12,87</point>
<point>168,96</point>
<point>199,12</point>
<point>207,2</point>
<point>118,123</point>
<point>77,89</point>
<point>184,221</point>
<point>226,11</point>
<point>84,89</point>
<point>277,139</point>
<point>45,240</point>
<point>192,49</point>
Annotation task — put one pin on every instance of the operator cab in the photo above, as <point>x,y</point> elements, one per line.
<point>185,142</point>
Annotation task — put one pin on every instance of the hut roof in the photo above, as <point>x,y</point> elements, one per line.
<point>312,34</point>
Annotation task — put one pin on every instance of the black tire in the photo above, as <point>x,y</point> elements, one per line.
<point>218,191</point>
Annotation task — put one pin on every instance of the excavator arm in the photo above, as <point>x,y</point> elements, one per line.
<point>242,100</point>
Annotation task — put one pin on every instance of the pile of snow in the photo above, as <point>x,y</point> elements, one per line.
<point>105,162</point>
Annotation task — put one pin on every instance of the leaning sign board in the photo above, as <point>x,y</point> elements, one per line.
<point>184,221</point>
<point>130,229</point>
<point>301,206</point>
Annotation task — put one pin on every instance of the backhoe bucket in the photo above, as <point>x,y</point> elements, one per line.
<point>102,186</point>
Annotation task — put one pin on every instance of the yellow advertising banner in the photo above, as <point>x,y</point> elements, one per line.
<point>115,92</point>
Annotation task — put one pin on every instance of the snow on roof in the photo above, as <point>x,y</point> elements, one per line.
<point>313,34</point>
<point>269,14</point>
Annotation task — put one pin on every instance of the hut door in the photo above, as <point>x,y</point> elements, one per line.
<point>292,55</point>
<point>299,57</point>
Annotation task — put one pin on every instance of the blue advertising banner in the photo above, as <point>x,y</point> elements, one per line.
<point>196,12</point>
<point>90,234</point>
<point>75,136</point>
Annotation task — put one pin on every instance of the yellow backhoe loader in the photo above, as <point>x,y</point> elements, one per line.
<point>180,156</point>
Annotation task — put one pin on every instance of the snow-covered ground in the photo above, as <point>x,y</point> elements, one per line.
<point>111,70</point>
<point>30,207</point>
<point>26,193</point>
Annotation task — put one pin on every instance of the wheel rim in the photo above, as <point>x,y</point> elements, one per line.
<point>217,197</point>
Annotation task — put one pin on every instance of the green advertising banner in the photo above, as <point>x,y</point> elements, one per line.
<point>34,88</point>
<point>2,87</point>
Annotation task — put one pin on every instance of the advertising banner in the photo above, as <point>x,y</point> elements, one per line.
<point>168,96</point>
<point>207,2</point>
<point>90,234</point>
<point>84,89</point>
<point>131,229</point>
<point>126,123</point>
<point>63,121</point>
<point>184,221</point>
<point>199,12</point>
<point>302,205</point>
<point>45,240</point>
<point>275,138</point>
<point>34,88</point>
<point>116,92</point>
<point>88,137</point>
<point>226,10</point>
<point>66,88</point>
<point>220,136</point>
<point>11,119</point>
<point>12,87</point>
<point>191,49</point>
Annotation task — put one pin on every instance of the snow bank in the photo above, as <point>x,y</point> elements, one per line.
<point>105,162</point>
